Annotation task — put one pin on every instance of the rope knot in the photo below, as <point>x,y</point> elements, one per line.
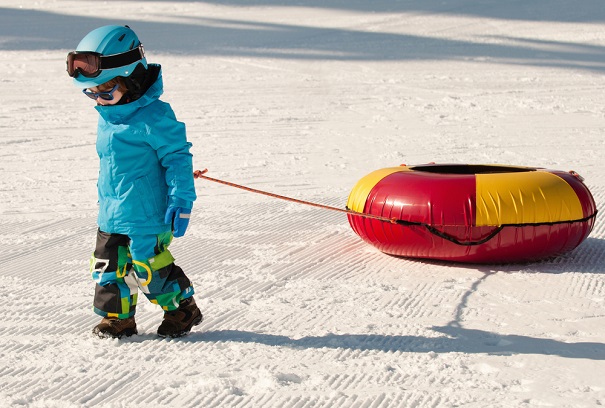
<point>198,173</point>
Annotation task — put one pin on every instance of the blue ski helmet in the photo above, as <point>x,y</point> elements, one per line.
<point>106,41</point>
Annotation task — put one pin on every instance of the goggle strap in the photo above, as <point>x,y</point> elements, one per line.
<point>123,59</point>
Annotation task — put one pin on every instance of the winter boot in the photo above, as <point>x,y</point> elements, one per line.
<point>111,327</point>
<point>179,322</point>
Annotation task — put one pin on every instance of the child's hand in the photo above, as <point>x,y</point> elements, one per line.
<point>179,218</point>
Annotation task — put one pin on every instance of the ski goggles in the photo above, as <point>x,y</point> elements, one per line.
<point>90,64</point>
<point>107,95</point>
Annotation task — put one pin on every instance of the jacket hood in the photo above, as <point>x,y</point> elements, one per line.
<point>121,113</point>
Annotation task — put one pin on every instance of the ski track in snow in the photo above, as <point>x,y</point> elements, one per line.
<point>304,101</point>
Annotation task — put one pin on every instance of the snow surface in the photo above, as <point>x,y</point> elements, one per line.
<point>302,99</point>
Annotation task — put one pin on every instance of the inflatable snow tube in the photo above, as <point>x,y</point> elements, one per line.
<point>472,213</point>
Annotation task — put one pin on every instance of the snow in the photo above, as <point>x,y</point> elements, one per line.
<point>303,99</point>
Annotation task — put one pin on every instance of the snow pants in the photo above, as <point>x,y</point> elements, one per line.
<point>121,265</point>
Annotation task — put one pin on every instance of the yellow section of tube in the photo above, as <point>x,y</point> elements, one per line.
<point>525,198</point>
<point>361,190</point>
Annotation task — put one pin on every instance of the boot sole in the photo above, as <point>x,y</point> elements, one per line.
<point>107,335</point>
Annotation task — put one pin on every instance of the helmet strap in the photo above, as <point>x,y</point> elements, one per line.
<point>123,59</point>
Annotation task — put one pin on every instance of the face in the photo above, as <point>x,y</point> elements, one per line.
<point>117,94</point>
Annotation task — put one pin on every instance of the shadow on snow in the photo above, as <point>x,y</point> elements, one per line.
<point>22,29</point>
<point>456,339</point>
<point>453,337</point>
<point>540,10</point>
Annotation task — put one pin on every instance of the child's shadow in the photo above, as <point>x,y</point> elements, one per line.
<point>453,339</point>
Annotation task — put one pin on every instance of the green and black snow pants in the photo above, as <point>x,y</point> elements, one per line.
<point>121,265</point>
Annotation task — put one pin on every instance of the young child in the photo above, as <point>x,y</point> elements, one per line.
<point>145,185</point>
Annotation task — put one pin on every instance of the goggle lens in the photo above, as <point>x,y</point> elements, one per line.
<point>87,64</point>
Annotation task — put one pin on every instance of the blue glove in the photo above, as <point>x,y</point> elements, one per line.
<point>179,218</point>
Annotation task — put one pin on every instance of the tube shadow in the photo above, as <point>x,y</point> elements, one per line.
<point>589,257</point>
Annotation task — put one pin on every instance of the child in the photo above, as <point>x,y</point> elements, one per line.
<point>145,185</point>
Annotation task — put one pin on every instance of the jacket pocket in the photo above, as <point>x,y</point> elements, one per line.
<point>148,196</point>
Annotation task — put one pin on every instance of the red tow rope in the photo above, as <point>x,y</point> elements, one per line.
<point>200,174</point>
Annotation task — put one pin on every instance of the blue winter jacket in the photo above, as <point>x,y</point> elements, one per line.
<point>145,164</point>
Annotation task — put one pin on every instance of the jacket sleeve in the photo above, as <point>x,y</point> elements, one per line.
<point>169,139</point>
